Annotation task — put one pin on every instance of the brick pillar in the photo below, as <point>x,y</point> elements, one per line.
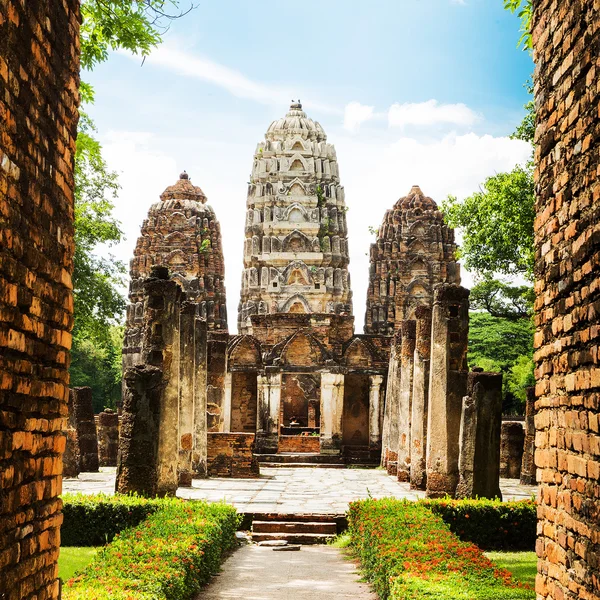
<point>108,438</point>
<point>447,386</point>
<point>71,456</point>
<point>566,37</point>
<point>511,449</point>
<point>389,436</point>
<point>200,399</point>
<point>39,80</point>
<point>420,397</point>
<point>407,357</point>
<point>479,440</point>
<point>528,464</point>
<point>86,429</point>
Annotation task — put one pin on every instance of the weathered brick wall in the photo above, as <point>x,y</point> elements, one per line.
<point>566,38</point>
<point>231,455</point>
<point>299,443</point>
<point>512,441</point>
<point>38,117</point>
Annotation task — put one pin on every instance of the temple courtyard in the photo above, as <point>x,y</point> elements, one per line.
<point>294,490</point>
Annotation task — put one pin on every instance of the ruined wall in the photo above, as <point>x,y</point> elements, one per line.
<point>512,440</point>
<point>38,116</point>
<point>231,455</point>
<point>566,37</point>
<point>299,443</point>
<point>108,438</point>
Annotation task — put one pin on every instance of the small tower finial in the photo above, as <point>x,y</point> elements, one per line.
<point>184,175</point>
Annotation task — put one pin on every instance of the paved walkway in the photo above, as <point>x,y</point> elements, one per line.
<point>315,572</point>
<point>290,490</point>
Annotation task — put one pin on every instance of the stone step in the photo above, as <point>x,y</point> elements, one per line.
<point>273,465</point>
<point>300,457</point>
<point>293,538</point>
<point>339,519</point>
<point>328,528</point>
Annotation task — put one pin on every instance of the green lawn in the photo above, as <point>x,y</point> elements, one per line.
<point>523,565</point>
<point>74,558</point>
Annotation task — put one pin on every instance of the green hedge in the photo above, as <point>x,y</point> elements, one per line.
<point>95,520</point>
<point>168,556</point>
<point>490,524</point>
<point>408,553</point>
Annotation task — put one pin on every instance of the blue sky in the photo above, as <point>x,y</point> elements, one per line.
<point>419,91</point>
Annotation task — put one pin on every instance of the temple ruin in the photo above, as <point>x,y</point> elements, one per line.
<point>296,246</point>
<point>39,69</point>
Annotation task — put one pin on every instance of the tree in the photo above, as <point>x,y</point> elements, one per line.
<point>524,9</point>
<point>500,299</point>
<point>504,345</point>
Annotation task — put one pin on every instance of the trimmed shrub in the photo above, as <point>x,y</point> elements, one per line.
<point>168,556</point>
<point>409,553</point>
<point>95,520</point>
<point>490,524</point>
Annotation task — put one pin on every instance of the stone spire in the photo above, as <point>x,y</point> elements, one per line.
<point>181,233</point>
<point>414,251</point>
<point>296,248</point>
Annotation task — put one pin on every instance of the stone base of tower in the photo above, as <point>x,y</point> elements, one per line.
<point>308,387</point>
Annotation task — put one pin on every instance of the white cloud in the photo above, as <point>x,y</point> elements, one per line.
<point>430,112</point>
<point>236,83</point>
<point>356,113</point>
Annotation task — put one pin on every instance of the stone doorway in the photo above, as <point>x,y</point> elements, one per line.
<point>300,413</point>
<point>243,402</point>
<point>355,420</point>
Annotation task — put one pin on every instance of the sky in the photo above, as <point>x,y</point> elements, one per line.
<point>409,91</point>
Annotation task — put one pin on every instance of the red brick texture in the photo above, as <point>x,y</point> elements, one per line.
<point>231,455</point>
<point>39,77</point>
<point>299,444</point>
<point>566,38</point>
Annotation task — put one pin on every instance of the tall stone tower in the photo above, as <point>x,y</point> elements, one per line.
<point>183,234</point>
<point>414,251</point>
<point>296,247</point>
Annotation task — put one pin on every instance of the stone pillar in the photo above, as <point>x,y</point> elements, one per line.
<point>86,429</point>
<point>479,460</point>
<point>511,449</point>
<point>71,456</point>
<point>227,403</point>
<point>138,443</point>
<point>332,408</point>
<point>267,415</point>
<point>215,383</point>
<point>407,357</point>
<point>389,438</point>
<point>420,398</point>
<point>149,444</point>
<point>187,388</point>
<point>528,463</point>
<point>375,382</point>
<point>447,386</point>
<point>200,427</point>
<point>108,438</point>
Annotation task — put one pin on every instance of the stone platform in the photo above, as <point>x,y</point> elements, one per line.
<point>289,490</point>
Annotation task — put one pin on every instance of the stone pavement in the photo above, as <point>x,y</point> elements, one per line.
<point>290,490</point>
<point>315,572</point>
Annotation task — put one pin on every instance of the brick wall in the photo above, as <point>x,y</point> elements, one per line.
<point>567,231</point>
<point>299,443</point>
<point>231,455</point>
<point>38,116</point>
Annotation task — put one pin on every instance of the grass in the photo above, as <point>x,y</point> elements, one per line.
<point>73,559</point>
<point>342,540</point>
<point>522,565</point>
